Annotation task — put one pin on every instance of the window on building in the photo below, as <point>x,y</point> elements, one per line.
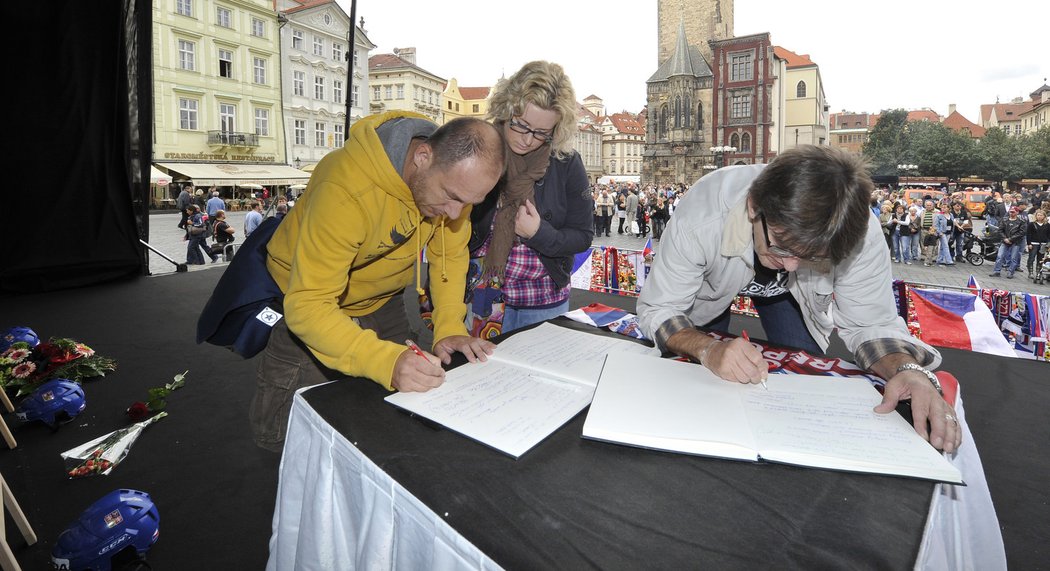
<point>225,63</point>
<point>734,140</point>
<point>337,90</point>
<point>188,113</point>
<point>319,134</point>
<point>184,7</point>
<point>337,129</point>
<point>687,107</point>
<point>475,108</point>
<point>227,116</point>
<point>259,68</point>
<point>800,90</point>
<point>297,39</point>
<point>356,64</point>
<point>337,51</point>
<point>187,57</point>
<point>223,17</point>
<point>745,143</point>
<point>258,28</point>
<point>740,107</point>
<point>319,88</point>
<point>354,99</point>
<point>400,91</point>
<point>388,92</point>
<point>661,126</point>
<point>262,122</point>
<point>318,46</point>
<point>740,67</point>
<point>677,112</point>
<point>449,103</point>
<point>375,92</point>
<point>299,83</point>
<point>700,116</point>
<point>457,107</point>
<point>299,130</point>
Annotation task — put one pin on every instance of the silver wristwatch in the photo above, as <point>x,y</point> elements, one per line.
<point>929,375</point>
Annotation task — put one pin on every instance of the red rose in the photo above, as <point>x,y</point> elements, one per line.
<point>138,412</point>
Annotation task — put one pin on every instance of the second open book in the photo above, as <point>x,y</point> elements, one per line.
<point>814,421</point>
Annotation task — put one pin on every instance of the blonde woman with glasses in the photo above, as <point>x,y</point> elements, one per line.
<point>528,230</point>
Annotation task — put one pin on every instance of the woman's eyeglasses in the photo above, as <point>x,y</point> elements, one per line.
<point>784,253</point>
<point>525,130</point>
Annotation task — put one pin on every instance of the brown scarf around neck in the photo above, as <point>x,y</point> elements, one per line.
<point>517,186</point>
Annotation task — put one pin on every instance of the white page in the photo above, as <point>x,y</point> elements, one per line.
<point>499,404</point>
<point>828,422</point>
<point>669,405</point>
<point>565,353</point>
<point>533,383</point>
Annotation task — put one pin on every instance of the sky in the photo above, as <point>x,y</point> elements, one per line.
<point>872,55</point>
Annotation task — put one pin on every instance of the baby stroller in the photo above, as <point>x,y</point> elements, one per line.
<point>978,249</point>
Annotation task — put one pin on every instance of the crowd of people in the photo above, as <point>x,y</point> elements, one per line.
<point>937,231</point>
<point>203,217</point>
<point>639,211</point>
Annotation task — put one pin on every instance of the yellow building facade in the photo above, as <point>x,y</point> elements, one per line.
<point>805,109</point>
<point>464,101</point>
<point>217,92</point>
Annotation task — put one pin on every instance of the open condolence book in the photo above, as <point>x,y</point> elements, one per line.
<point>804,420</point>
<point>534,382</point>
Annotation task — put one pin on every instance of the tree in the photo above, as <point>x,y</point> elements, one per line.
<point>1038,155</point>
<point>887,144</point>
<point>939,151</point>
<point>1000,155</point>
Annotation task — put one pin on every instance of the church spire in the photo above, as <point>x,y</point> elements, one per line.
<point>681,62</point>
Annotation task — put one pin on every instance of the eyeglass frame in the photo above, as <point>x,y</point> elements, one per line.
<point>523,129</point>
<point>782,252</point>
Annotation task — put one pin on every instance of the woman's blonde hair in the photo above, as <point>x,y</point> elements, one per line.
<point>545,85</point>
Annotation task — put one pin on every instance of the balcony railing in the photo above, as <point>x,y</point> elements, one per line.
<point>233,139</point>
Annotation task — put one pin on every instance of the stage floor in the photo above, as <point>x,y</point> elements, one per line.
<point>215,489</point>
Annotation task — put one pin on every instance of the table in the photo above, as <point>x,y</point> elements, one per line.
<point>364,485</point>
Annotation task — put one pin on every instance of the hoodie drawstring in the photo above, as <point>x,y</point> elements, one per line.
<point>419,253</point>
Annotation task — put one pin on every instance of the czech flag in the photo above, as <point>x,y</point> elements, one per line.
<point>648,249</point>
<point>959,320</point>
<point>972,284</point>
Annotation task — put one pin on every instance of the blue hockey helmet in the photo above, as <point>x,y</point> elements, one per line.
<point>18,334</point>
<point>122,523</point>
<point>51,400</point>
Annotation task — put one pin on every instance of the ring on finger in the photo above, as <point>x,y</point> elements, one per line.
<point>950,418</point>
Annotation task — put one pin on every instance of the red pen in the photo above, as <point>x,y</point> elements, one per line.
<point>743,333</point>
<point>415,349</point>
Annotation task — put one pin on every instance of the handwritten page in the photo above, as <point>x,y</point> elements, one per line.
<point>829,422</point>
<point>805,420</point>
<point>499,404</point>
<point>535,382</point>
<point>565,353</point>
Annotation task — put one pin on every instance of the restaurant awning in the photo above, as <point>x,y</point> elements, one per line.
<point>156,175</point>
<point>230,174</point>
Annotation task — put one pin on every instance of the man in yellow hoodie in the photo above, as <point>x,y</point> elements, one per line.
<point>345,253</point>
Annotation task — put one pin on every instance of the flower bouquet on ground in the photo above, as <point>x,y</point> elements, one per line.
<point>102,454</point>
<point>25,367</point>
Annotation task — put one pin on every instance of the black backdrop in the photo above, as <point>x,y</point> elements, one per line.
<point>82,110</point>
